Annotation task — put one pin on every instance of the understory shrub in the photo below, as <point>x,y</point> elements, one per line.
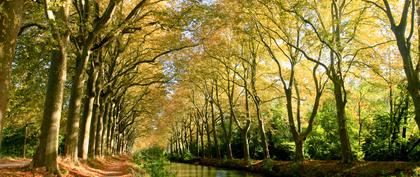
<point>153,160</point>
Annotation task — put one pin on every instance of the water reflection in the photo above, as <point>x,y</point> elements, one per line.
<point>188,170</point>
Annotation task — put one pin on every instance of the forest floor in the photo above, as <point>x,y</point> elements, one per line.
<point>101,167</point>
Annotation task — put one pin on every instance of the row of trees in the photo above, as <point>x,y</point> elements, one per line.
<point>110,48</point>
<point>291,59</point>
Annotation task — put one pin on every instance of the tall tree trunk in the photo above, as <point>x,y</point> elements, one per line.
<point>170,145</point>
<point>10,21</point>
<point>296,137</point>
<point>70,148</point>
<point>208,135</point>
<point>244,134</point>
<point>213,124</point>
<point>112,131</point>
<point>178,151</point>
<point>359,115</point>
<point>87,113</point>
<point>109,125</point>
<point>197,141</point>
<point>257,102</point>
<point>93,125</point>
<point>99,128</point>
<point>227,132</point>
<point>190,128</point>
<point>105,127</point>
<point>47,151</point>
<point>340,103</point>
<point>262,133</point>
<point>202,140</point>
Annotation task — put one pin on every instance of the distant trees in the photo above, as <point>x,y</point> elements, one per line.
<point>277,62</point>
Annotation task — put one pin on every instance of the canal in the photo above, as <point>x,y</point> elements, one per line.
<point>190,170</point>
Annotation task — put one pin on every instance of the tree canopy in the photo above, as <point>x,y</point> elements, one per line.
<point>254,79</point>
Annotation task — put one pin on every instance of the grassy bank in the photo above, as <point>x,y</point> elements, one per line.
<point>313,168</point>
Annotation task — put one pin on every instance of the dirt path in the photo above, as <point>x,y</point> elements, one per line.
<point>4,164</point>
<point>109,166</point>
<point>102,167</point>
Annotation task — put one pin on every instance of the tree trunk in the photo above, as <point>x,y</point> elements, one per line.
<point>257,103</point>
<point>412,74</point>
<point>340,103</point>
<point>197,141</point>
<point>244,134</point>
<point>299,149</point>
<point>190,128</point>
<point>92,133</point>
<point>108,129</point>
<point>208,139</point>
<point>262,134</point>
<point>46,154</point>
<point>295,133</point>
<point>70,148</point>
<point>213,124</point>
<point>404,47</point>
<point>99,128</point>
<point>10,20</point>
<point>202,140</point>
<point>227,132</point>
<point>47,151</point>
<point>105,127</point>
<point>111,133</point>
<point>87,113</point>
<point>359,115</point>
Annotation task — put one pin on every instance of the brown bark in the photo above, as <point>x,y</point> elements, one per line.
<point>105,127</point>
<point>197,141</point>
<point>92,133</point>
<point>342,125</point>
<point>190,128</point>
<point>11,13</point>
<point>99,128</point>
<point>257,103</point>
<point>46,154</point>
<point>70,148</point>
<point>47,151</point>
<point>108,129</point>
<point>213,124</point>
<point>202,139</point>
<point>226,131</point>
<point>245,129</point>
<point>87,113</point>
<point>208,135</point>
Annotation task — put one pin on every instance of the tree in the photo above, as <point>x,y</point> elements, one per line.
<point>287,74</point>
<point>403,32</point>
<point>89,40</point>
<point>46,154</point>
<point>11,14</point>
<point>336,34</point>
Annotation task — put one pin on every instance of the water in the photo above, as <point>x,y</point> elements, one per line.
<point>189,170</point>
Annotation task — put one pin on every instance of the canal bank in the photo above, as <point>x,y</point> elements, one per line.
<point>312,168</point>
